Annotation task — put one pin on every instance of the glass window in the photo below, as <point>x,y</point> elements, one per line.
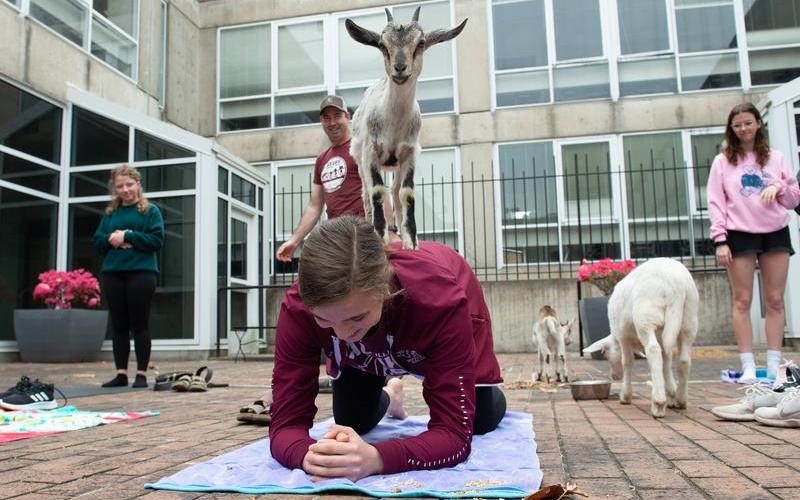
<point>655,176</point>
<point>29,236</point>
<point>577,16</point>
<point>587,81</point>
<point>28,174</point>
<point>298,109</point>
<point>587,181</point>
<point>772,22</point>
<point>15,3</point>
<point>301,57</point>
<point>520,34</point>
<point>69,18</point>
<point>238,249</point>
<point>712,71</point>
<point>529,203</point>
<point>29,124</point>
<point>244,72</point>
<point>172,309</point>
<point>649,76</point>
<point>222,264</point>
<point>114,49</point>
<point>120,12</point>
<point>97,140</point>
<point>642,26</point>
<point>358,62</point>
<point>146,147</point>
<point>222,180</point>
<point>155,178</point>
<point>292,190</point>
<point>243,190</point>
<point>241,115</point>
<point>523,88</point>
<point>435,96</point>
<point>770,67</point>
<point>704,148</point>
<point>435,197</point>
<point>705,25</point>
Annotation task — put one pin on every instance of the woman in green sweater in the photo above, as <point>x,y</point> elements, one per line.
<point>130,234</point>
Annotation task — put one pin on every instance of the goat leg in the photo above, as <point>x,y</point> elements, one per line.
<point>409,224</point>
<point>378,193</point>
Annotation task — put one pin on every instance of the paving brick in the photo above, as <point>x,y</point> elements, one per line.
<point>669,494</point>
<point>773,477</point>
<point>704,468</point>
<point>16,488</point>
<point>731,488</point>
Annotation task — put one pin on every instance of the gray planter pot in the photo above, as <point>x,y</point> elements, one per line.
<point>59,335</point>
<point>594,321</point>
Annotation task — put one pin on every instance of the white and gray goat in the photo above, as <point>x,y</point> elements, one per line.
<point>386,124</point>
<point>552,337</point>
<point>654,310</point>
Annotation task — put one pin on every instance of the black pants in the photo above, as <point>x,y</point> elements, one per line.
<point>360,402</point>
<point>128,295</point>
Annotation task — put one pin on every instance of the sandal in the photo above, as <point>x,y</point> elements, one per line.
<point>182,384</point>
<point>257,413</point>
<point>164,381</point>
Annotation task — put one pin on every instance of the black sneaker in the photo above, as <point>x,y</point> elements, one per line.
<point>792,379</point>
<point>23,385</point>
<point>37,396</point>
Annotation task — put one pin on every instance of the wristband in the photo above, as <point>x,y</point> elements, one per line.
<point>720,243</point>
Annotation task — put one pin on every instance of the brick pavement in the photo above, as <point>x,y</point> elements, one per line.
<point>609,450</point>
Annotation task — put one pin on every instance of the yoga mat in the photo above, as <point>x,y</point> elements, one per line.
<point>15,425</point>
<point>503,464</point>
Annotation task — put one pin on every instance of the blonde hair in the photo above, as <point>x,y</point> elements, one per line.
<point>141,204</point>
<point>341,256</point>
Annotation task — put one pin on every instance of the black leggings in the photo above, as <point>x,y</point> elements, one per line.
<point>360,402</point>
<point>129,294</point>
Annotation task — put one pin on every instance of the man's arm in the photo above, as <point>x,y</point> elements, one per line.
<point>308,220</point>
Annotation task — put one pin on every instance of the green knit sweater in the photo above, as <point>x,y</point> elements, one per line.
<point>145,232</point>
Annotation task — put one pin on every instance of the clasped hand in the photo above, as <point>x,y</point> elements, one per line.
<point>769,194</point>
<point>117,239</point>
<point>342,453</point>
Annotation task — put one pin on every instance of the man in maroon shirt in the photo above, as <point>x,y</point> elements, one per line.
<point>336,184</point>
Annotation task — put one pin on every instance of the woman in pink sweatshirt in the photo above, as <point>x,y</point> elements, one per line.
<point>379,313</point>
<point>750,188</point>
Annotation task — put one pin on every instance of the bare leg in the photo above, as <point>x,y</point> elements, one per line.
<point>394,388</point>
<point>774,268</point>
<point>740,275</point>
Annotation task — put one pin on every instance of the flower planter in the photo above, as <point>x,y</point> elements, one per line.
<point>594,321</point>
<point>59,335</point>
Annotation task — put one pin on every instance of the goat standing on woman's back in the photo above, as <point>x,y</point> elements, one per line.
<point>387,122</point>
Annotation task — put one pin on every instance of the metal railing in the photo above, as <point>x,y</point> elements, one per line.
<point>531,223</point>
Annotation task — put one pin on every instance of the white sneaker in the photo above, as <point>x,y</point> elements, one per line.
<point>785,414</point>
<point>748,376</point>
<point>756,396</point>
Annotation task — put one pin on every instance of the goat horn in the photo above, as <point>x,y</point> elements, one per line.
<point>415,17</point>
<point>389,18</point>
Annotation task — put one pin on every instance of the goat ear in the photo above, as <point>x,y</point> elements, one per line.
<point>361,35</point>
<point>438,36</point>
<point>601,345</point>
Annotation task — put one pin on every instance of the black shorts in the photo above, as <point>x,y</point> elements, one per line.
<point>742,243</point>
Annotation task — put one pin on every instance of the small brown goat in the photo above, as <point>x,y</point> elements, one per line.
<point>552,337</point>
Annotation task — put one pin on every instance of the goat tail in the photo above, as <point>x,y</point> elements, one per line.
<point>673,322</point>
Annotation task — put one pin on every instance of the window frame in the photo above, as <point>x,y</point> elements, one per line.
<point>331,83</point>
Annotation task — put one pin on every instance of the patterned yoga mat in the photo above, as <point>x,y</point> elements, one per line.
<point>503,464</point>
<point>16,425</point>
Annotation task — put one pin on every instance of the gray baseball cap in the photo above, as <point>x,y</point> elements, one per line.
<point>332,101</point>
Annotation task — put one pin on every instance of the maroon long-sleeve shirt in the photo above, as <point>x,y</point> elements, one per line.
<point>438,329</point>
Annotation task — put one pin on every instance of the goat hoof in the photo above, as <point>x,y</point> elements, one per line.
<point>678,405</point>
<point>658,410</point>
<point>626,400</point>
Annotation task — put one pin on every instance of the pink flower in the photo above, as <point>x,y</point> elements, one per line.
<point>605,273</point>
<point>65,289</point>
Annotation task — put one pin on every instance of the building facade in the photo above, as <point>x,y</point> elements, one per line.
<point>553,130</point>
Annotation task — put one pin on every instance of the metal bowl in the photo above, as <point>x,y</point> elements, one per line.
<point>590,389</point>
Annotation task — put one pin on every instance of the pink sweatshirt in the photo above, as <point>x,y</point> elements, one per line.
<point>734,195</point>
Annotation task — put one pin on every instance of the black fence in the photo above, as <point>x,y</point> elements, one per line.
<point>531,223</point>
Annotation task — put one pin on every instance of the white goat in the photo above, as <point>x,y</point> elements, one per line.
<point>551,335</point>
<point>653,309</point>
<point>387,122</point>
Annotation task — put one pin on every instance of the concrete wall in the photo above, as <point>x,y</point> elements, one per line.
<point>514,305</point>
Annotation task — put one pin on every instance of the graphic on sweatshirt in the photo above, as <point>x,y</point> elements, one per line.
<point>753,180</point>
